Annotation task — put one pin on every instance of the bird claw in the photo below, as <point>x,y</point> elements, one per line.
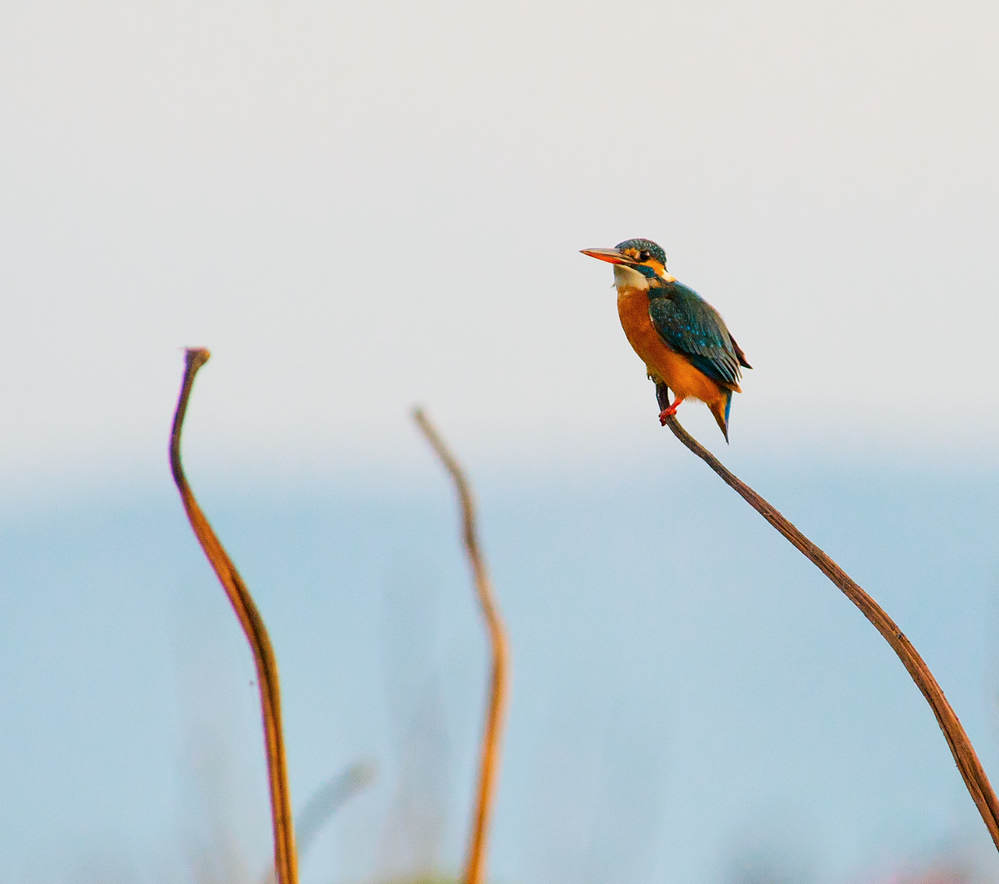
<point>666,413</point>
<point>669,410</point>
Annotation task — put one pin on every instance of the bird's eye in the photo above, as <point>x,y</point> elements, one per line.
<point>644,255</point>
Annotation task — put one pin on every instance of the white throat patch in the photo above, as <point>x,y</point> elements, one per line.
<point>626,278</point>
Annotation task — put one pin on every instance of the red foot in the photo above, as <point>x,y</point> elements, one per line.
<point>669,412</point>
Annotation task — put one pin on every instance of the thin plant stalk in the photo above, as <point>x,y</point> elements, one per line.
<point>285,861</point>
<point>475,866</point>
<point>957,739</point>
<point>322,805</point>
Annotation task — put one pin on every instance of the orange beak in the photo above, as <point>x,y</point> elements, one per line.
<point>611,256</point>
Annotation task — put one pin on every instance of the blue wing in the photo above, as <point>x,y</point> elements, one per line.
<point>690,325</point>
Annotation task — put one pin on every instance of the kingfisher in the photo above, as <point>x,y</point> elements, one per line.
<point>681,338</point>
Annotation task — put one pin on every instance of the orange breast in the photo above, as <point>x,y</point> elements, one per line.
<point>662,363</point>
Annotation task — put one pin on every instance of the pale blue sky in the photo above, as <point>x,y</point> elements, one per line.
<point>690,697</point>
<point>363,206</point>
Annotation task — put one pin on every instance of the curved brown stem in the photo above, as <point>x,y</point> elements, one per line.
<point>285,860</point>
<point>475,866</point>
<point>960,746</point>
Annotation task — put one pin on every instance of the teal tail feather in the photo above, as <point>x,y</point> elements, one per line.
<point>722,412</point>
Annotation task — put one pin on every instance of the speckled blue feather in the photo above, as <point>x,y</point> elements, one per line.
<point>690,325</point>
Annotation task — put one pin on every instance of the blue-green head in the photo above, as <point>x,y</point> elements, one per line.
<point>638,256</point>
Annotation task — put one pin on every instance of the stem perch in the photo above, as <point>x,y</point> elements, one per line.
<point>957,739</point>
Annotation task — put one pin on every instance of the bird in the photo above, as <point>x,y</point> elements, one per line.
<point>681,338</point>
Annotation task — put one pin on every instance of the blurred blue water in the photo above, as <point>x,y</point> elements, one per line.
<point>690,696</point>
